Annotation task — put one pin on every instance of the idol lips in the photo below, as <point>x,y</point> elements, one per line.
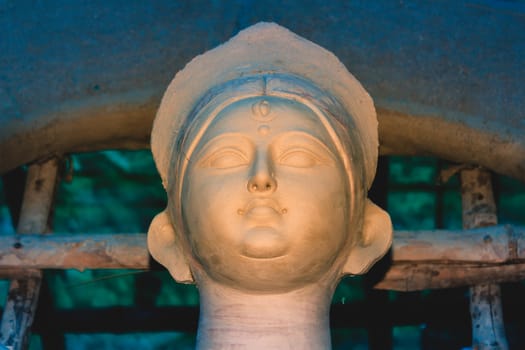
<point>260,207</point>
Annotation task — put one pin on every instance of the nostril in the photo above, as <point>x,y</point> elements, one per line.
<point>254,187</point>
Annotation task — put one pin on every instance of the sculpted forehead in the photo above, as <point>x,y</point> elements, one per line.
<point>267,117</point>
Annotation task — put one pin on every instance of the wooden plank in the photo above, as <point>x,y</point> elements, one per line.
<point>489,246</point>
<point>15,328</point>
<point>409,277</point>
<point>479,210</point>
<point>78,251</point>
<point>421,259</point>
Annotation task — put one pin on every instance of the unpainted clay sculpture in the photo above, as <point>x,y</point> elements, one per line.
<point>266,146</point>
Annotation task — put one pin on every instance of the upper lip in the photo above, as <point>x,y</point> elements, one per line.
<point>262,203</point>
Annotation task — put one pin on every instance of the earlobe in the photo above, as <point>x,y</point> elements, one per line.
<point>375,242</point>
<point>167,249</point>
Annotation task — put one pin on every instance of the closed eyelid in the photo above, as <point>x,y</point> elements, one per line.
<point>300,157</point>
<point>232,145</point>
<point>225,158</point>
<point>302,142</point>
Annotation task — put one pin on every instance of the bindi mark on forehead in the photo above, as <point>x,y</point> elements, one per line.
<point>263,130</point>
<point>262,113</point>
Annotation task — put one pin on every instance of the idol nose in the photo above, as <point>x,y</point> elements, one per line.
<point>262,177</point>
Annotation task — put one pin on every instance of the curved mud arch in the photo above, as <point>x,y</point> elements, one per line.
<point>124,122</point>
<point>447,77</point>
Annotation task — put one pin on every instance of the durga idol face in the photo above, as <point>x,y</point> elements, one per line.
<point>264,198</point>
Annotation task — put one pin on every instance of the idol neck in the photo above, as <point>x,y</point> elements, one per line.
<point>235,319</point>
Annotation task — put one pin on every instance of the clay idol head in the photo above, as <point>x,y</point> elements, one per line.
<point>266,147</point>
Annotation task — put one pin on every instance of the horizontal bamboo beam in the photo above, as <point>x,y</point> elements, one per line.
<point>412,277</point>
<point>421,259</point>
<point>74,251</point>
<point>490,245</point>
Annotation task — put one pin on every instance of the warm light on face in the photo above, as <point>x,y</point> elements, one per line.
<point>265,197</point>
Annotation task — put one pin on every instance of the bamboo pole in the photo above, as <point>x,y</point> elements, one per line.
<point>479,210</point>
<point>19,311</point>
<point>77,251</point>
<point>421,259</point>
<point>491,246</point>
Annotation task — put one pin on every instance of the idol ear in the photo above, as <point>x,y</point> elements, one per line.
<point>166,247</point>
<point>375,240</point>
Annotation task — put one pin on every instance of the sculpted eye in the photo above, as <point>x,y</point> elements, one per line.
<point>299,158</point>
<point>225,159</point>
